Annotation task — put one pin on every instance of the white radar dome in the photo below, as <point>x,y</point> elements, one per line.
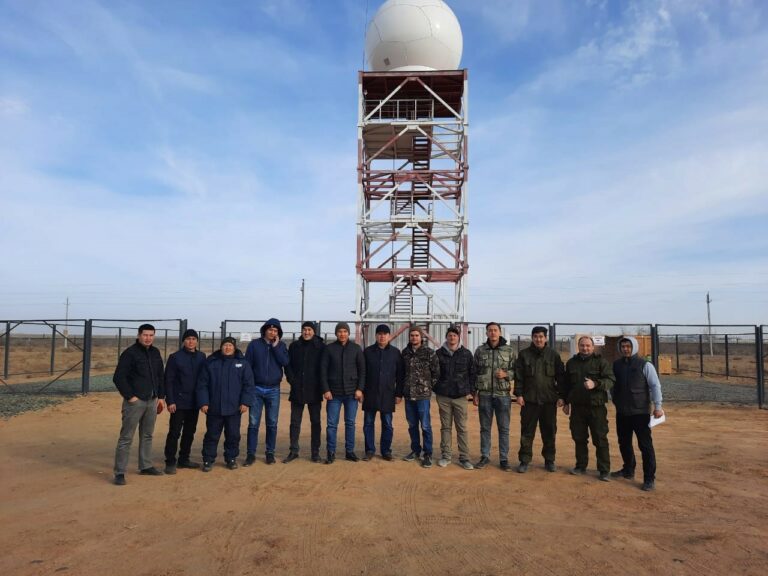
<point>413,35</point>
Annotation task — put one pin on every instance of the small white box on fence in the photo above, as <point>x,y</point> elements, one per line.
<point>245,336</point>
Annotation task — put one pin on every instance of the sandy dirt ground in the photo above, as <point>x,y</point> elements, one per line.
<point>62,515</point>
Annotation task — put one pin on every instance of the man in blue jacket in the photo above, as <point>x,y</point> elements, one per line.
<point>181,373</point>
<point>267,356</point>
<point>224,393</point>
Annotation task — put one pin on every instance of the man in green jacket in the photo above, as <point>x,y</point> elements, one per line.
<point>588,379</point>
<point>539,376</point>
<point>495,363</point>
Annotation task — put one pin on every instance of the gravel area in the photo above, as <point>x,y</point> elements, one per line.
<point>675,389</point>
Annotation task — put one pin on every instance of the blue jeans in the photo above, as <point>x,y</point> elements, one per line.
<point>417,413</point>
<point>333,410</point>
<point>369,422</point>
<point>269,399</point>
<point>501,406</point>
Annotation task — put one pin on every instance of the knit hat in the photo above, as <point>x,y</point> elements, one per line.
<point>309,324</point>
<point>453,328</point>
<point>341,326</point>
<point>228,340</point>
<point>382,329</point>
<point>189,332</point>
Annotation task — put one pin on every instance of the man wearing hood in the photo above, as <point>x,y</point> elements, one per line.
<point>454,387</point>
<point>383,389</point>
<point>588,379</point>
<point>422,370</point>
<point>495,363</point>
<point>637,385</point>
<point>539,373</point>
<point>181,373</point>
<point>224,393</point>
<point>342,377</point>
<point>267,356</point>
<point>303,374</point>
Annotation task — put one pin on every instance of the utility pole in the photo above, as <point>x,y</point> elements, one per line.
<point>302,300</point>
<point>66,324</point>
<point>709,325</point>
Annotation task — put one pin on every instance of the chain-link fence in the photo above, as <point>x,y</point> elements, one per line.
<point>698,363</point>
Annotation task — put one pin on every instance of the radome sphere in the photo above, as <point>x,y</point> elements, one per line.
<point>413,35</point>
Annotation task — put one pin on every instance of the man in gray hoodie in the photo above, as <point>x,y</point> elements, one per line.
<point>637,385</point>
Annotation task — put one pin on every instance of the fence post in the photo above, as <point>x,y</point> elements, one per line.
<point>53,347</point>
<point>165,346</point>
<point>655,346</point>
<point>727,363</point>
<point>87,344</point>
<point>553,336</point>
<point>677,353</point>
<point>182,329</point>
<point>223,329</point>
<point>119,342</point>
<point>701,355</point>
<point>7,354</point>
<point>760,371</point>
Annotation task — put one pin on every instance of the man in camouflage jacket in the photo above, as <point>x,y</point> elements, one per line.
<point>422,369</point>
<point>495,363</point>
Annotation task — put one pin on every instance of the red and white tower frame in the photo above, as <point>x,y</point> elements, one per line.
<point>412,200</point>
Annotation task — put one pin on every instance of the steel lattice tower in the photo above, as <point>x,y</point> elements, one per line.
<point>412,198</point>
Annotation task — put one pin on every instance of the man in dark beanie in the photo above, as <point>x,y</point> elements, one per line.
<point>342,377</point>
<point>383,389</point>
<point>224,393</point>
<point>303,374</point>
<point>181,374</point>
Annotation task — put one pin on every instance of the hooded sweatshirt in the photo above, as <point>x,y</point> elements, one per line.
<point>267,359</point>
<point>637,383</point>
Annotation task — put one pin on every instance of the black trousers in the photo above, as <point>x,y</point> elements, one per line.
<point>183,424</point>
<point>626,425</point>
<point>214,425</point>
<point>545,415</point>
<point>297,413</point>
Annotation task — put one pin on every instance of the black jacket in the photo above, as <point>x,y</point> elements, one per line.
<point>457,373</point>
<point>181,373</point>
<point>384,374</point>
<point>303,370</point>
<point>139,373</point>
<point>342,369</point>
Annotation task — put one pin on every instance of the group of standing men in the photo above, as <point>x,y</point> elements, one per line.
<point>228,383</point>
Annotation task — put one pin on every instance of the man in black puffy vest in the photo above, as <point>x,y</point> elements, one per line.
<point>637,385</point>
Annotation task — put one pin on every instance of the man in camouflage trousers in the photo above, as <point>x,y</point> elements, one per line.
<point>539,375</point>
<point>495,363</point>
<point>588,379</point>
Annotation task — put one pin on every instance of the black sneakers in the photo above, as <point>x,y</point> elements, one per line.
<point>119,480</point>
<point>270,458</point>
<point>482,463</point>
<point>604,477</point>
<point>331,458</point>
<point>623,473</point>
<point>426,461</point>
<point>410,457</point>
<point>188,464</point>
<point>549,466</point>
<point>648,486</point>
<point>352,457</point>
<point>504,465</point>
<point>290,458</point>
<point>522,468</point>
<point>151,471</point>
<point>207,466</point>
<point>232,464</point>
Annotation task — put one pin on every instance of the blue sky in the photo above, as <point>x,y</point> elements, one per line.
<point>195,160</point>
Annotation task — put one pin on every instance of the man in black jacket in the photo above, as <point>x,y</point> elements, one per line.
<point>139,379</point>
<point>455,386</point>
<point>342,377</point>
<point>383,389</point>
<point>303,373</point>
<point>181,374</point>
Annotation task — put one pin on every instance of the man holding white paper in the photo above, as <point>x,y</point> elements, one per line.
<point>637,385</point>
